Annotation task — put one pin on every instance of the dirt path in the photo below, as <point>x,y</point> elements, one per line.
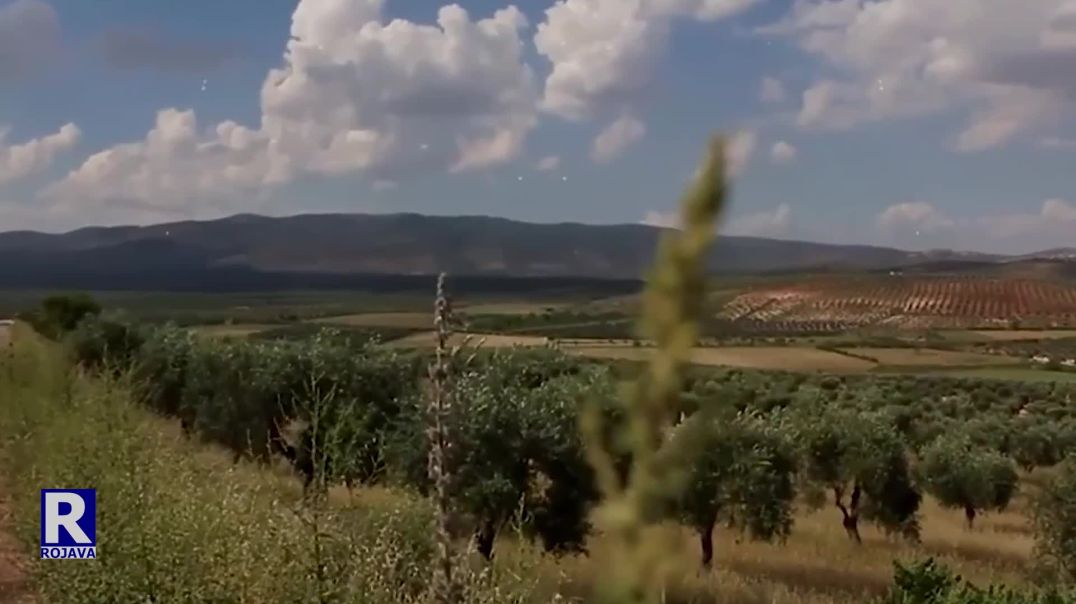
<point>14,588</point>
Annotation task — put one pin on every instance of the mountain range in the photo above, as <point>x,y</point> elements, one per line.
<point>316,247</point>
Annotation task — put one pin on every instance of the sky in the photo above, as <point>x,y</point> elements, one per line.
<point>920,124</point>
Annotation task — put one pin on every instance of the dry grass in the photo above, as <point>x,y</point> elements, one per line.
<point>752,357</point>
<point>816,565</point>
<point>418,320</point>
<point>927,356</point>
<point>819,565</point>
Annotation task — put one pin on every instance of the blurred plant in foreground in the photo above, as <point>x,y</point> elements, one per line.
<point>639,493</point>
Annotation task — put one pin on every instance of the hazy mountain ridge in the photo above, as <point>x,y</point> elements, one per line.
<point>413,244</point>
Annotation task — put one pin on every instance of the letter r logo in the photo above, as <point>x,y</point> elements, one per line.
<point>68,517</point>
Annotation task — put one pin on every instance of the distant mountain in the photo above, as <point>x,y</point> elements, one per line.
<point>316,246</point>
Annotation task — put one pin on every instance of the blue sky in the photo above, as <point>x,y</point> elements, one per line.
<point>916,123</point>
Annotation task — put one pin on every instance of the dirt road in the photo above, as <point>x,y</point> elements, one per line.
<point>14,588</point>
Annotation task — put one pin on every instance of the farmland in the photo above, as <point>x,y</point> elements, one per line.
<point>906,303</point>
<point>209,403</point>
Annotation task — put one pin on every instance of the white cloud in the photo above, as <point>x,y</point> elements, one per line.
<point>604,52</point>
<point>772,90</point>
<point>616,138</point>
<point>1005,65</point>
<point>30,157</point>
<point>1059,210</point>
<point>29,37</point>
<point>740,150</point>
<point>917,215</point>
<point>355,95</point>
<point>665,220</point>
<point>783,153</point>
<point>1054,142</point>
<point>773,223</point>
<point>546,164</point>
<point>1053,225</point>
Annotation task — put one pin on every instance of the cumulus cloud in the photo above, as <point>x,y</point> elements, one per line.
<point>665,220</point>
<point>617,138</point>
<point>23,159</point>
<point>29,37</point>
<point>551,162</point>
<point>147,48</point>
<point>773,223</point>
<point>772,90</point>
<point>783,153</point>
<point>604,52</point>
<point>1053,225</point>
<point>354,95</point>
<point>917,215</point>
<point>741,148</point>
<point>1006,67</point>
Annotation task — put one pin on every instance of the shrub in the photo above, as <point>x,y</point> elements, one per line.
<point>61,314</point>
<point>928,583</point>
<point>110,342</point>
<point>1054,519</point>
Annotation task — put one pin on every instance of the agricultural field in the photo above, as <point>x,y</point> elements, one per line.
<point>232,330</point>
<point>752,357</point>
<point>926,357</point>
<point>417,320</point>
<point>837,303</point>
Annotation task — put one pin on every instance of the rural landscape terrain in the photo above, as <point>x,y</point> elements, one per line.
<point>901,409</point>
<point>394,302</point>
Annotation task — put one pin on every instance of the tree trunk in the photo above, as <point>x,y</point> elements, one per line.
<point>484,539</point>
<point>849,513</point>
<point>969,514</point>
<point>706,542</point>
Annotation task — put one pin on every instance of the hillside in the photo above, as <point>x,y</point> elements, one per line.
<point>312,247</point>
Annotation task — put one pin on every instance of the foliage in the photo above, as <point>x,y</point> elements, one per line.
<point>1054,518</point>
<point>927,582</point>
<point>60,314</point>
<point>962,475</point>
<point>517,453</point>
<point>741,471</point>
<point>860,459</point>
<point>184,526</point>
<point>108,341</point>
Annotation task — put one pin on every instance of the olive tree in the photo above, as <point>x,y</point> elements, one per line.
<point>861,460</point>
<point>741,472</point>
<point>516,454</point>
<point>968,477</point>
